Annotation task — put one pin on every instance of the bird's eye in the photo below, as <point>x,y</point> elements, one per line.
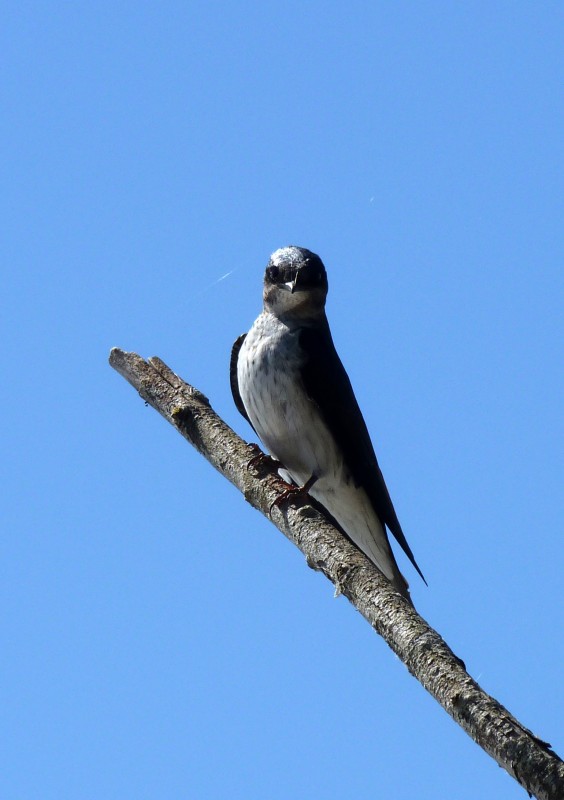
<point>273,273</point>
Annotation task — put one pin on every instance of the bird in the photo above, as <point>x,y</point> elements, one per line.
<point>289,383</point>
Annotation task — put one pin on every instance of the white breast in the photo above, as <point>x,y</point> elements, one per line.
<point>291,428</point>
<point>286,420</point>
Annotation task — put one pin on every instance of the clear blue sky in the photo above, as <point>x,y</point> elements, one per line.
<point>159,638</point>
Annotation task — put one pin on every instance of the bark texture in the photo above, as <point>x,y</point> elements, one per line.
<point>426,655</point>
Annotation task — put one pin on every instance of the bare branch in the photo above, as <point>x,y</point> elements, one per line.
<point>426,655</point>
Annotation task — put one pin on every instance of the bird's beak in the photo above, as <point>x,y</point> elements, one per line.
<point>294,285</point>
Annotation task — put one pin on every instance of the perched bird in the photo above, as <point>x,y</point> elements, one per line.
<point>289,383</point>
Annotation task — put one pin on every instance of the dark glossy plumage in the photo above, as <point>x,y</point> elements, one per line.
<point>327,384</point>
<point>237,344</point>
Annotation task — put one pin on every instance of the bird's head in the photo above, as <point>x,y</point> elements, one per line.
<point>295,284</point>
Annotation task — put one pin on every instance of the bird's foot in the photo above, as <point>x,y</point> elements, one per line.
<point>293,491</point>
<point>261,459</point>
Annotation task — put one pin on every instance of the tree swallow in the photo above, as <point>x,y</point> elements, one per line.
<point>289,383</point>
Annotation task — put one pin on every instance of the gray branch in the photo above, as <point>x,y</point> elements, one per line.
<point>426,655</point>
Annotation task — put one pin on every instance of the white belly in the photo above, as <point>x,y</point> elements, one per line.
<point>291,428</point>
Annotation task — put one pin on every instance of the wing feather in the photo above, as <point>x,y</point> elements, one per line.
<point>233,379</point>
<point>328,386</point>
